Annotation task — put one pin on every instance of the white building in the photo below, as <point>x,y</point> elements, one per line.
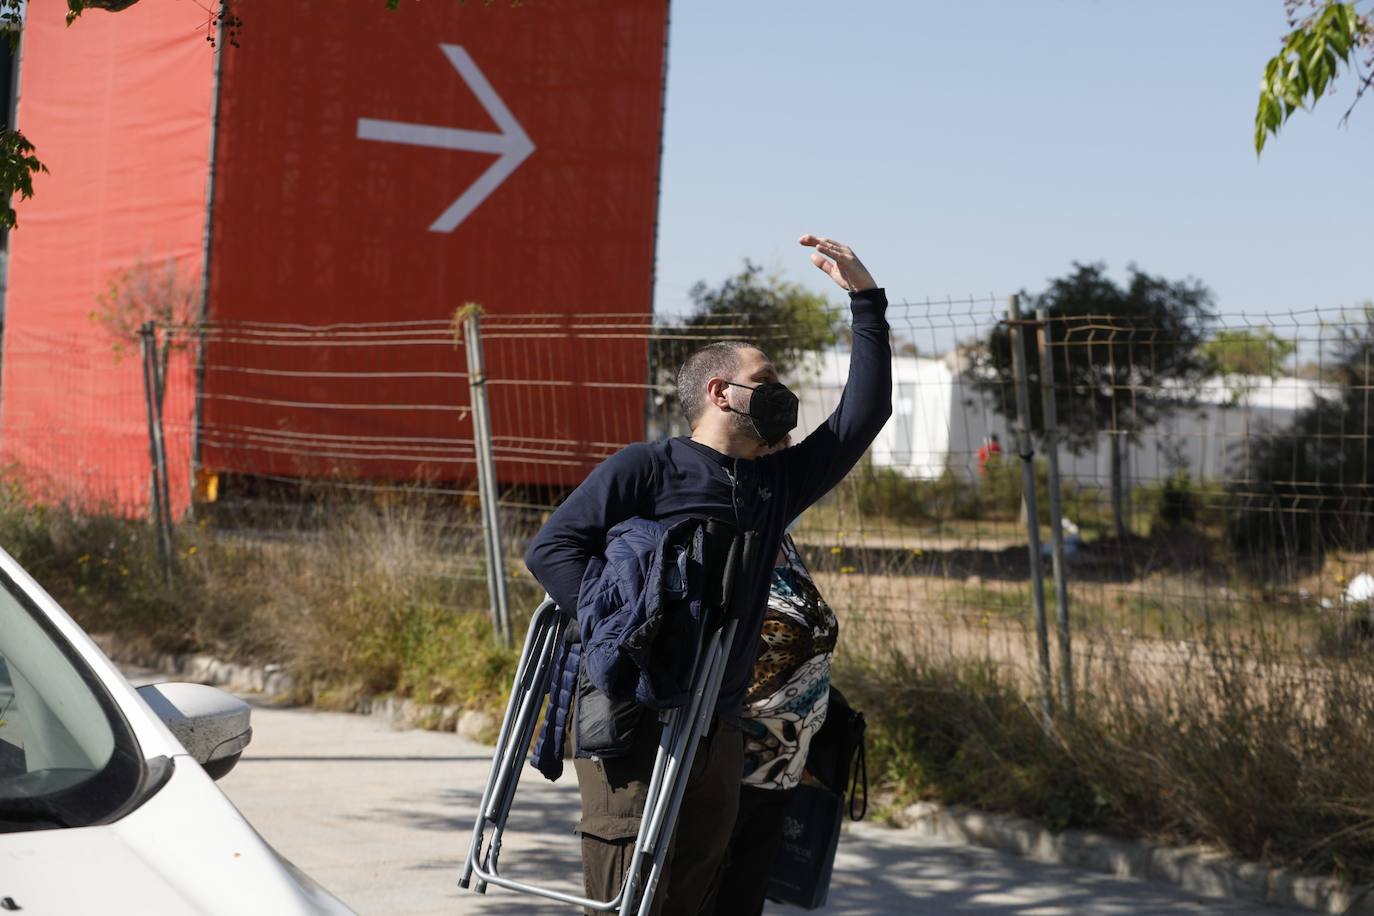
<point>939,421</point>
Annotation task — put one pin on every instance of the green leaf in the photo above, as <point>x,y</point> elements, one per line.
<point>1274,115</point>
<point>17,166</point>
<point>1321,74</point>
<point>1306,66</point>
<point>1339,42</point>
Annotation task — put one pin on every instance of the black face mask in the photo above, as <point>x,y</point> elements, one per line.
<point>772,410</point>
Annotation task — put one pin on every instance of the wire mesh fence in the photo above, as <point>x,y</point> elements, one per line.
<point>1214,479</point>
<point>74,420</point>
<point>1220,499</point>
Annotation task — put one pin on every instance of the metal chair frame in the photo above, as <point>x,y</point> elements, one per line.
<point>682,730</point>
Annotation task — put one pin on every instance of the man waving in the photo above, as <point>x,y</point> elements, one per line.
<point>736,406</point>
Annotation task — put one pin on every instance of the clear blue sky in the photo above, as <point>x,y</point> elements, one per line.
<point>979,147</point>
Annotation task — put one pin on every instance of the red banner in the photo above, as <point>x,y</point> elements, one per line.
<point>376,167</point>
<point>119,108</point>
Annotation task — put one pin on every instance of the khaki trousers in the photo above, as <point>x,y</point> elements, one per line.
<point>613,794</point>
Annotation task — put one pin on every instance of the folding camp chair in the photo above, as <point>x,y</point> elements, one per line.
<point>682,729</point>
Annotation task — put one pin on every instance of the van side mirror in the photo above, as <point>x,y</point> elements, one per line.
<point>211,724</point>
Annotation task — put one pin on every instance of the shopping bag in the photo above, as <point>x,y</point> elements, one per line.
<point>810,833</point>
<point>836,756</point>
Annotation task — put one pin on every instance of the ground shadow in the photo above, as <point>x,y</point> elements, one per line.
<point>1101,561</point>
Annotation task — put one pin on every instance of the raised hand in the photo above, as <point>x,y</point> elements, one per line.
<point>839,262</point>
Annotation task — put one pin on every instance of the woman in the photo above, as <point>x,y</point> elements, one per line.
<point>783,710</point>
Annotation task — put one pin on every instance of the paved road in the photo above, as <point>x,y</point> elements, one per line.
<point>382,818</point>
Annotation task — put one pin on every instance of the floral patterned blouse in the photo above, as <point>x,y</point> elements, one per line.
<point>787,699</point>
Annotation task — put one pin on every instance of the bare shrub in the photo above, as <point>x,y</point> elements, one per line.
<point>371,599</point>
<point>1246,748</point>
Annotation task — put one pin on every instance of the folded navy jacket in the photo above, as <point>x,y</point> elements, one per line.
<point>641,613</point>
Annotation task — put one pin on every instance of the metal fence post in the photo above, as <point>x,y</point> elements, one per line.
<point>1027,451</point>
<point>152,396</point>
<point>1051,446</point>
<point>486,476</point>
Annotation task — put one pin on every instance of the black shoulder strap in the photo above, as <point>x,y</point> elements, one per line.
<point>860,772</point>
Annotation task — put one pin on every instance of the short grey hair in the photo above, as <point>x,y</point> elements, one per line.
<point>715,359</point>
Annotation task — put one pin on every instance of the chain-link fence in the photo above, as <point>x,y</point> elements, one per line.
<point>1213,480</point>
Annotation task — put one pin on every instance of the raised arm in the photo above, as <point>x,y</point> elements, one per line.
<point>822,459</point>
<point>617,489</point>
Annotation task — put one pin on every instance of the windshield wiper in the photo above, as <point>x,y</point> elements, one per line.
<point>38,817</point>
<point>28,813</point>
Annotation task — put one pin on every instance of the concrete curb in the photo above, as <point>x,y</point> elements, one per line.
<point>1200,870</point>
<point>275,681</point>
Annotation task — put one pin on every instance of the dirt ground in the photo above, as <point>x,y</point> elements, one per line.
<point>1162,624</point>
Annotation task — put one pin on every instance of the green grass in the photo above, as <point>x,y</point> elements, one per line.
<point>1014,602</point>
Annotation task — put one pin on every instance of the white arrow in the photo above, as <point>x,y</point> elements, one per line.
<point>512,142</point>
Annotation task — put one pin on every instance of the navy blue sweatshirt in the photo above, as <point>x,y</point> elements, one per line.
<point>675,478</point>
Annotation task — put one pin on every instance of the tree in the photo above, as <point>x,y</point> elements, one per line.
<point>1247,352</point>
<point>1124,358</point>
<point>1323,36</point>
<point>163,294</point>
<point>787,320</point>
<point>1310,487</point>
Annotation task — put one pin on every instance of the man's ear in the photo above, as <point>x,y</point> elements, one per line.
<point>715,392</point>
